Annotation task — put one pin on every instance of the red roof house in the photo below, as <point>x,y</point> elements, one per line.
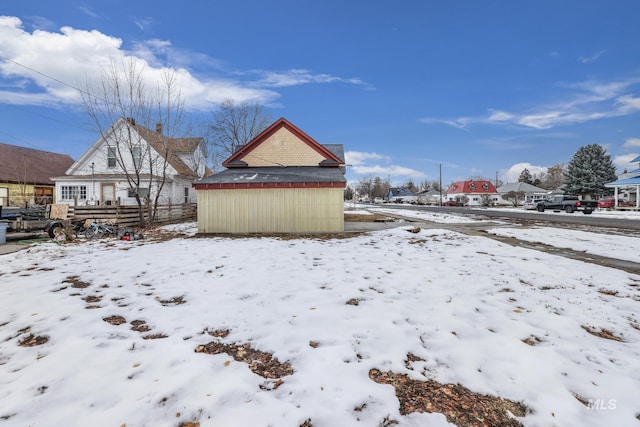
<point>473,193</point>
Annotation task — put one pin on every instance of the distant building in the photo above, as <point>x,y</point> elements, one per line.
<point>627,186</point>
<point>473,193</point>
<point>519,192</point>
<point>401,195</point>
<point>25,175</point>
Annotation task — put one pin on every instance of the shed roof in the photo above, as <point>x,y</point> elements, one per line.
<point>275,175</point>
<point>26,165</point>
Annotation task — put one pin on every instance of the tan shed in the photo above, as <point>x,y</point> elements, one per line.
<point>282,181</point>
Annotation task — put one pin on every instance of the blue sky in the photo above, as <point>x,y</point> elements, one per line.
<point>479,87</point>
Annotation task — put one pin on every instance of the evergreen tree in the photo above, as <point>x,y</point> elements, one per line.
<point>588,171</point>
<point>525,176</point>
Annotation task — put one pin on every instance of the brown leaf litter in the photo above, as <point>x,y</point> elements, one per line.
<point>260,363</point>
<point>458,404</point>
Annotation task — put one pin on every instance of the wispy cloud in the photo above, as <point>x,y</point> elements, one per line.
<point>587,101</point>
<point>82,7</point>
<point>296,77</point>
<point>143,23</point>
<point>591,58</point>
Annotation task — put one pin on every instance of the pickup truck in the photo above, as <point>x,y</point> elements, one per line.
<point>569,204</point>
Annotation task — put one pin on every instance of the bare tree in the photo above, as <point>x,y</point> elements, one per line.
<point>554,178</point>
<point>233,126</point>
<point>122,94</point>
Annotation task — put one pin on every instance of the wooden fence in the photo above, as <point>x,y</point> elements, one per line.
<point>125,215</point>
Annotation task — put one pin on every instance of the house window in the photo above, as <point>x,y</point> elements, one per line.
<point>111,157</point>
<point>70,192</point>
<point>186,194</point>
<point>144,193</point>
<point>136,152</point>
<point>4,196</point>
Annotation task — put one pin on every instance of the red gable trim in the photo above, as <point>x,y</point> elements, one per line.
<point>265,185</point>
<point>469,187</point>
<point>280,123</point>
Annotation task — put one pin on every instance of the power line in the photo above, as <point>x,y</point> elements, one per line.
<point>48,76</point>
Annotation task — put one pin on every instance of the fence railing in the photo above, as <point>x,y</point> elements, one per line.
<point>125,215</point>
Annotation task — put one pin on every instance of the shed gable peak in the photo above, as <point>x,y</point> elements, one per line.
<point>280,145</point>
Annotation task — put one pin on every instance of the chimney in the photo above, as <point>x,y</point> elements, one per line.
<point>159,128</point>
<point>130,120</point>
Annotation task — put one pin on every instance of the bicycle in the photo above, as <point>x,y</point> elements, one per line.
<point>95,230</point>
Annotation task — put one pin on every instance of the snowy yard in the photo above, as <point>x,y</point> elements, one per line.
<point>305,332</point>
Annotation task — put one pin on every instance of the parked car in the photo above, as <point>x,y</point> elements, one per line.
<point>451,203</point>
<point>378,200</point>
<point>532,204</point>
<point>609,202</point>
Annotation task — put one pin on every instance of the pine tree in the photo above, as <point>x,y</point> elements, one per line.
<point>588,171</point>
<point>525,176</point>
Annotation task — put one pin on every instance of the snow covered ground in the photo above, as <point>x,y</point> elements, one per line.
<point>559,335</point>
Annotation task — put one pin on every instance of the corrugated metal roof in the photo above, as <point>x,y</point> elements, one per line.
<point>275,175</point>
<point>623,182</point>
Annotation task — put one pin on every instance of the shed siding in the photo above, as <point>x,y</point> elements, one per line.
<point>283,148</point>
<point>296,210</point>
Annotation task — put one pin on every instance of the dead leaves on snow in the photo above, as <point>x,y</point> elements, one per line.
<point>261,363</point>
<point>458,404</point>
<point>602,333</point>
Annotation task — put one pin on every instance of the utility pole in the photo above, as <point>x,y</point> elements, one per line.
<point>440,184</point>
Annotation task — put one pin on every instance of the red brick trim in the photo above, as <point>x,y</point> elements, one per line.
<point>267,185</point>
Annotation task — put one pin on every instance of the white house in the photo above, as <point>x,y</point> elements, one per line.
<point>520,192</point>
<point>152,161</point>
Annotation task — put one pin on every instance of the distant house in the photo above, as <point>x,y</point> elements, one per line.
<point>282,181</point>
<point>131,158</point>
<point>519,192</point>
<point>430,197</point>
<point>473,193</point>
<point>401,195</point>
<point>25,175</point>
<point>627,185</point>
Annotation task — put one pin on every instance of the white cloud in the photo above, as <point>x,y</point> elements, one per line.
<point>587,101</point>
<point>631,142</point>
<point>393,171</point>
<point>513,173</point>
<point>628,104</point>
<point>622,162</point>
<point>364,164</point>
<point>356,158</point>
<point>42,66</point>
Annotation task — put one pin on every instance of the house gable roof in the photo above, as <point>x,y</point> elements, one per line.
<point>170,148</point>
<point>520,187</point>
<point>471,187</point>
<point>283,144</point>
<point>157,141</point>
<point>26,165</point>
